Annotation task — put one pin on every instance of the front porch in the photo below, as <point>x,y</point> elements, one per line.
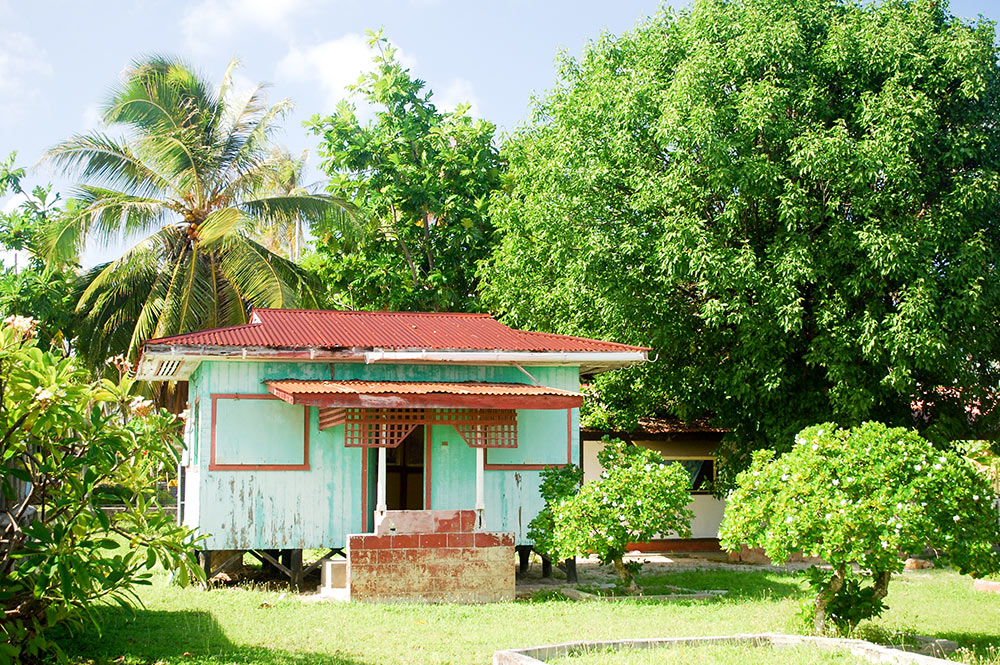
<point>430,556</point>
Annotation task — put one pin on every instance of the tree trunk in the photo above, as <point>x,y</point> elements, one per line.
<point>626,576</point>
<point>825,596</point>
<point>881,585</point>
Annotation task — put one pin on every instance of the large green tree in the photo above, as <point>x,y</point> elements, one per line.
<point>194,170</point>
<point>29,287</point>
<point>795,202</point>
<point>421,179</point>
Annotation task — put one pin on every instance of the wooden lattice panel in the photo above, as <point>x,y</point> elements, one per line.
<point>489,429</point>
<point>386,428</point>
<point>331,417</point>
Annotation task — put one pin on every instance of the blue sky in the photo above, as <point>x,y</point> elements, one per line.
<point>59,58</point>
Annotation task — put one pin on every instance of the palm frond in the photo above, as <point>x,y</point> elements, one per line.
<point>113,213</point>
<point>287,209</point>
<point>263,278</point>
<point>99,158</point>
<point>221,223</point>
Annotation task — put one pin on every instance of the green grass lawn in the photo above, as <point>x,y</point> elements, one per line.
<point>240,625</point>
<point>716,655</point>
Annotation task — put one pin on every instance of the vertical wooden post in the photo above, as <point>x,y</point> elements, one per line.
<point>206,563</point>
<point>380,506</point>
<point>523,553</point>
<point>480,486</point>
<point>296,579</point>
<point>571,570</point>
<point>546,567</point>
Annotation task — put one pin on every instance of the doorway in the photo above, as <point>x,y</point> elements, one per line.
<point>404,478</point>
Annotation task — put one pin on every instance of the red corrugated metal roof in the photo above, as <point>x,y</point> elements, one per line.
<point>422,394</point>
<point>300,387</point>
<point>302,328</point>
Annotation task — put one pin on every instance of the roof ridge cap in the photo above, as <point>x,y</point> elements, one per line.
<point>579,338</point>
<point>379,312</point>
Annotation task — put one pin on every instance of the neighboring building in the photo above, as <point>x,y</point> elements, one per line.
<point>307,429</point>
<point>691,444</point>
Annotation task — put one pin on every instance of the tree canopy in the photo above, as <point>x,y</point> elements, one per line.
<point>194,170</point>
<point>29,287</point>
<point>421,179</point>
<point>795,202</point>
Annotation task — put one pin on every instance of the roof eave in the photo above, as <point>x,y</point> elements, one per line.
<point>157,360</point>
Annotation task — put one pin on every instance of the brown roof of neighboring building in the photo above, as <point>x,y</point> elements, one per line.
<point>661,428</point>
<point>300,328</point>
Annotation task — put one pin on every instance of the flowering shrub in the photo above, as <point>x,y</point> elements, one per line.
<point>65,442</point>
<point>638,497</point>
<point>862,497</point>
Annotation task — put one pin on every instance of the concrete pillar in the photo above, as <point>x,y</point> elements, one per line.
<point>380,485</point>
<point>480,486</point>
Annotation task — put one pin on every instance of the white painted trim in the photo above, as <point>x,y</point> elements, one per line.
<point>191,356</point>
<point>480,486</point>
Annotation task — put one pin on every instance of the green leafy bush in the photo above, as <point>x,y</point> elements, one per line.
<point>862,497</point>
<point>69,446</point>
<point>558,483</point>
<point>637,498</point>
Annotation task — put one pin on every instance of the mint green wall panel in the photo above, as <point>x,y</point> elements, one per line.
<point>542,438</point>
<point>259,431</point>
<point>380,372</point>
<point>453,470</point>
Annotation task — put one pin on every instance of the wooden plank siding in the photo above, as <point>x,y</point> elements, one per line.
<point>295,508</point>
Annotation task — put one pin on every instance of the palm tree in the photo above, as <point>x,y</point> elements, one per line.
<point>194,174</point>
<point>279,235</point>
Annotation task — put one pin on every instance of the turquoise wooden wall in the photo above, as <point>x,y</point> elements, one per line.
<point>318,507</point>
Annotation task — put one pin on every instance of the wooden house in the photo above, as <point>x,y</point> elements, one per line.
<point>360,431</point>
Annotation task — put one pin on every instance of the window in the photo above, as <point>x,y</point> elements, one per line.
<point>701,470</point>
<point>258,432</point>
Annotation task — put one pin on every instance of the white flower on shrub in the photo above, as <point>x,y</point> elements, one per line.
<point>140,407</point>
<point>44,396</point>
<point>24,326</point>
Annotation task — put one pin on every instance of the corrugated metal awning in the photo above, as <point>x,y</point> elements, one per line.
<point>422,395</point>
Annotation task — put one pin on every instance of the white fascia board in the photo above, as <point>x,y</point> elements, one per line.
<point>604,360</point>
<point>149,368</point>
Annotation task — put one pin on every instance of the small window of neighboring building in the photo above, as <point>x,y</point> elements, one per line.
<point>701,470</point>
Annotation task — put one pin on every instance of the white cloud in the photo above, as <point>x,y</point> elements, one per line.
<point>12,202</point>
<point>22,63</point>
<point>332,65</point>
<point>457,91</point>
<point>90,119</point>
<point>209,22</point>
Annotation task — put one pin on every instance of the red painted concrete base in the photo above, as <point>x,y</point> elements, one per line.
<point>430,556</point>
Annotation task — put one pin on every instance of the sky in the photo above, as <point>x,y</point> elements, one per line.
<point>59,58</point>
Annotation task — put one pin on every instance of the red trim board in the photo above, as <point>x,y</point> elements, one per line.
<point>212,466</point>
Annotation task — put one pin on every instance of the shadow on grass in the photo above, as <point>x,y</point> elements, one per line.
<point>180,637</point>
<point>742,585</point>
<point>984,645</point>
